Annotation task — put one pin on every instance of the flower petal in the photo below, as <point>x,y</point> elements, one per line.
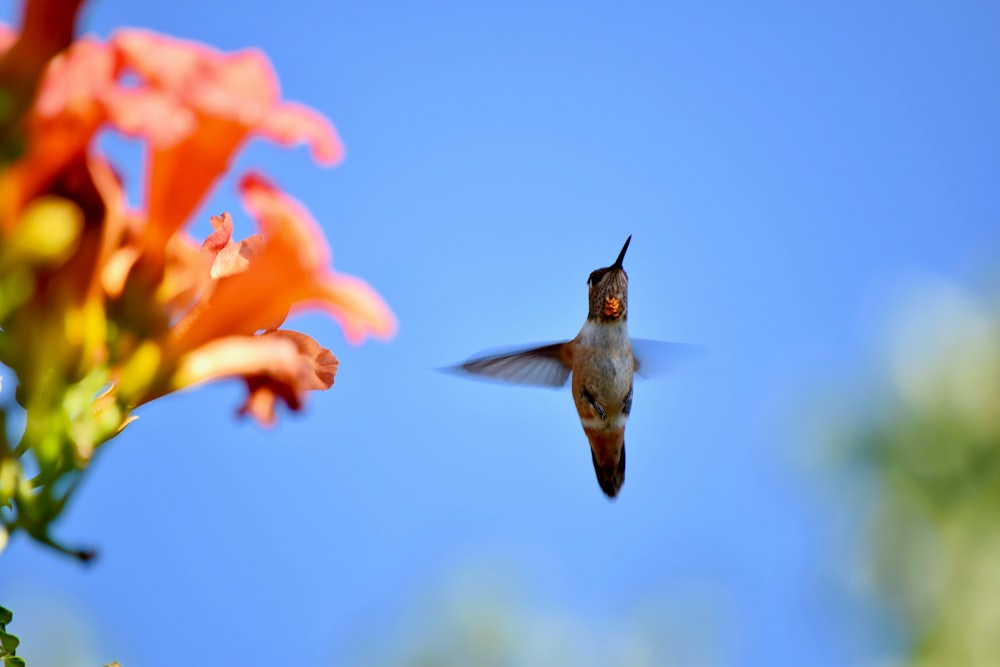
<point>67,112</point>
<point>274,365</point>
<point>354,304</point>
<point>287,270</point>
<point>319,366</point>
<point>282,217</point>
<point>319,369</point>
<point>229,257</point>
<point>291,123</point>
<point>297,249</point>
<point>197,106</point>
<point>237,356</point>
<point>47,29</point>
<point>7,37</point>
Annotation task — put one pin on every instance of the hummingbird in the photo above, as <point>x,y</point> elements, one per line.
<point>602,361</point>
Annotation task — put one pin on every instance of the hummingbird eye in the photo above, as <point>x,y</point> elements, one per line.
<point>595,277</point>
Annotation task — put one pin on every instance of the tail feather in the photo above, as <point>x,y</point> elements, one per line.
<point>611,473</point>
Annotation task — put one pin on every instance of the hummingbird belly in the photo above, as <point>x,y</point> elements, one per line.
<point>602,375</point>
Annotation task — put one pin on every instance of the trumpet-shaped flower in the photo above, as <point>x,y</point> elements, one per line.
<point>196,107</point>
<point>261,279</point>
<point>103,306</point>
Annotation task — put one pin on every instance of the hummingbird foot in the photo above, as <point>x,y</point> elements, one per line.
<point>587,396</point>
<point>627,403</point>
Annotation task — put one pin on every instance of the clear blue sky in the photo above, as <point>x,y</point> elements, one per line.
<point>782,169</point>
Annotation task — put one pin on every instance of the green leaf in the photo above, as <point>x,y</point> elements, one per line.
<point>9,642</point>
<point>13,661</point>
<point>6,615</point>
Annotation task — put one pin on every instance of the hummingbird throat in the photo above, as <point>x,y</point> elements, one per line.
<point>612,307</point>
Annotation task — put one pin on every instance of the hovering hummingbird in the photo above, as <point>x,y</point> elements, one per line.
<point>602,360</point>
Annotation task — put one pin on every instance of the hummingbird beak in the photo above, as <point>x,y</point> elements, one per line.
<point>621,255</point>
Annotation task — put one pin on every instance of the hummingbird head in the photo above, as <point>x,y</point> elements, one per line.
<point>609,290</point>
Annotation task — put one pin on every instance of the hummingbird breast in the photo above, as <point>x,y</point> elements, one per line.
<point>603,365</point>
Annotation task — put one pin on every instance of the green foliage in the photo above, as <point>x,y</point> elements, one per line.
<point>55,338</point>
<point>65,424</point>
<point>934,450</point>
<point>8,642</point>
<point>49,326</point>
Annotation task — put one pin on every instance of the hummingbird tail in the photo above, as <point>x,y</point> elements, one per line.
<point>611,473</point>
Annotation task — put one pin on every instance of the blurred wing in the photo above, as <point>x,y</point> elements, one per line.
<point>545,366</point>
<point>654,358</point>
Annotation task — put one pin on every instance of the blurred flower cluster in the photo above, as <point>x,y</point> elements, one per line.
<point>932,447</point>
<point>105,307</point>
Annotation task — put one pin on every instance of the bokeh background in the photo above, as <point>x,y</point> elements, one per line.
<point>813,195</point>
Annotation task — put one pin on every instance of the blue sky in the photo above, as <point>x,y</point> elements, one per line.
<point>782,168</point>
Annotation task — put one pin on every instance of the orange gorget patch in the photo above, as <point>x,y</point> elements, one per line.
<point>612,307</point>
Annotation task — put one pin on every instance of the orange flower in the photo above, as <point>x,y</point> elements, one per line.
<point>47,29</point>
<point>274,365</point>
<point>69,108</point>
<point>285,269</point>
<point>196,106</point>
<point>98,295</point>
<point>248,286</point>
